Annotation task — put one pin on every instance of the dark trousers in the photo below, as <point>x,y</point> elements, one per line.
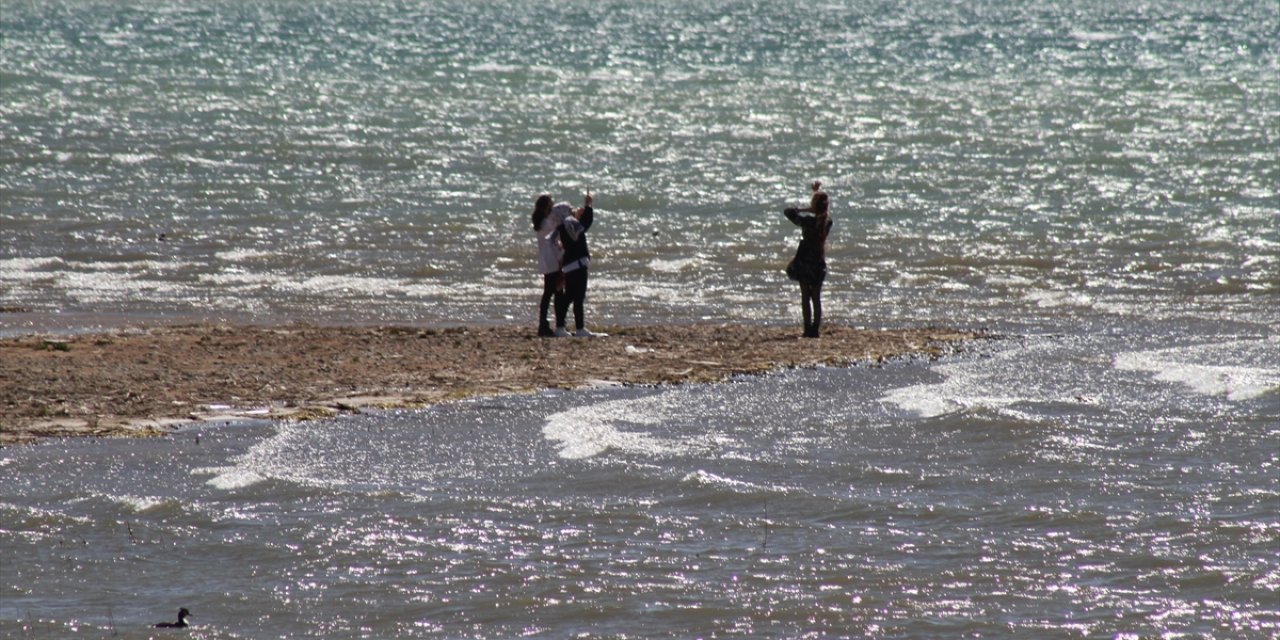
<point>811,307</point>
<point>575,293</point>
<point>550,289</point>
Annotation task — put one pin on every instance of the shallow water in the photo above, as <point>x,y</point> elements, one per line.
<point>1096,184</point>
<point>989,495</point>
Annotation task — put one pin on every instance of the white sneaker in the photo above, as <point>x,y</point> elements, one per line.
<point>584,333</point>
<point>561,332</point>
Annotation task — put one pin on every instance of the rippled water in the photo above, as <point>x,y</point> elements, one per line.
<point>1097,183</point>
<point>983,497</point>
<point>377,161</point>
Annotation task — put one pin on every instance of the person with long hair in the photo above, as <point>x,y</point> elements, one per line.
<point>546,220</point>
<point>809,266</point>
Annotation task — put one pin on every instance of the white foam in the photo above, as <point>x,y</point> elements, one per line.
<point>1009,280</point>
<point>922,400</point>
<point>1201,368</point>
<point>1096,36</point>
<point>139,504</point>
<point>233,277</point>
<point>72,78</point>
<point>906,278</point>
<point>242,255</point>
<point>582,433</point>
<point>612,74</point>
<point>229,478</point>
<point>951,396</point>
<point>494,67</point>
<point>100,285</point>
<point>659,293</point>
<point>586,432</point>
<point>975,385</point>
<point>8,265</point>
<point>1059,298</point>
<point>330,284</point>
<point>208,162</point>
<point>30,511</point>
<point>749,133</point>
<point>133,158</point>
<point>131,266</point>
<point>706,478</point>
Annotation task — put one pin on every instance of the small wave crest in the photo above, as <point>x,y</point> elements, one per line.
<point>139,504</point>
<point>956,395</point>
<point>1220,369</point>
<point>706,478</point>
<point>31,519</point>
<point>229,478</point>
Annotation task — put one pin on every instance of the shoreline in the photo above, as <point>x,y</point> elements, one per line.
<point>140,382</point>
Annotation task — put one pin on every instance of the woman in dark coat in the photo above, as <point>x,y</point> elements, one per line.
<point>575,263</point>
<point>809,266</point>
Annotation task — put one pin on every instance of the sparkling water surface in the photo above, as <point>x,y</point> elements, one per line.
<point>1097,183</point>
<point>806,504</point>
<point>377,161</point>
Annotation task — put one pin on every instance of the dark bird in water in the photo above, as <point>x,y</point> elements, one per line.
<point>180,624</point>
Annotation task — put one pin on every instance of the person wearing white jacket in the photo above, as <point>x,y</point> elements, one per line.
<point>546,225</point>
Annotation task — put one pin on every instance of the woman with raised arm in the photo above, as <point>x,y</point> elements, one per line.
<point>577,259</point>
<point>809,266</point>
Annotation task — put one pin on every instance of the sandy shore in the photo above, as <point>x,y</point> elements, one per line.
<point>142,382</point>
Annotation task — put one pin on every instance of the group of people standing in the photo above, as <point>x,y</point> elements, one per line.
<point>563,260</point>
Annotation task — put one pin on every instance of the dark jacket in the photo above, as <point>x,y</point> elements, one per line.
<point>573,237</point>
<point>810,263</point>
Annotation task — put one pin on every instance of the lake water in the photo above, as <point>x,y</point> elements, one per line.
<point>1098,184</point>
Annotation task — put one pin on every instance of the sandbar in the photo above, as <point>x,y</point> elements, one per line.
<point>151,381</point>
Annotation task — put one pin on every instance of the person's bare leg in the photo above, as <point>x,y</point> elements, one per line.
<point>815,297</point>
<point>806,298</point>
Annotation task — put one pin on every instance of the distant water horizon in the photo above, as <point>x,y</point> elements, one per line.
<point>1097,183</point>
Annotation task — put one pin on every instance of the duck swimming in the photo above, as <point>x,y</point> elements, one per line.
<point>180,624</point>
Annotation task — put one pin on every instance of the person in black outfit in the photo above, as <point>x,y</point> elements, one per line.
<point>809,266</point>
<point>574,266</point>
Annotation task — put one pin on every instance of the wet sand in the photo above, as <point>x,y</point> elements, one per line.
<point>146,382</point>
